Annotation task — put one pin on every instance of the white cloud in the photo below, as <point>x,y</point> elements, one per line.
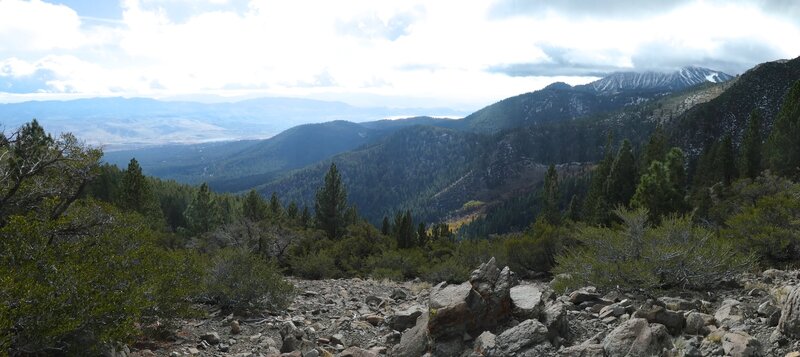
<point>454,52</point>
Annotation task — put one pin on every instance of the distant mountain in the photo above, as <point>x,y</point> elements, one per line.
<point>657,81</point>
<point>560,101</point>
<point>240,165</point>
<point>119,123</point>
<point>761,88</point>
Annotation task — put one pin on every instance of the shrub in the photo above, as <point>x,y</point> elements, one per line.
<point>240,281</point>
<point>80,281</point>
<point>397,264</point>
<point>674,254</point>
<point>535,250</point>
<point>314,265</point>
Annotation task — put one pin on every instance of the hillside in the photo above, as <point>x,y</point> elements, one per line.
<point>761,88</point>
<point>681,79</point>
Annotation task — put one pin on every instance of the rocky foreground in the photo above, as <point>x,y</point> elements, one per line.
<point>494,315</point>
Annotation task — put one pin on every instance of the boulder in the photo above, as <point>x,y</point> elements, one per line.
<point>678,304</point>
<point>494,286</point>
<point>740,344</point>
<point>512,341</point>
<point>235,327</point>
<point>696,323</point>
<point>789,323</point>
<point>484,343</point>
<point>636,337</point>
<point>451,347</point>
<point>674,321</point>
<point>526,301</point>
<point>404,319</point>
<point>414,342</point>
<point>554,318</point>
<point>357,352</point>
<point>455,309</point>
<point>730,313</point>
<point>584,295</point>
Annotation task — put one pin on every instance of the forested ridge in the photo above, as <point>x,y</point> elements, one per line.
<point>92,255</point>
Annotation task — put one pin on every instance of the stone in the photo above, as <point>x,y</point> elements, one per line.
<point>583,295</point>
<point>789,323</point>
<point>414,342</point>
<point>528,333</point>
<point>613,310</point>
<point>338,339</point>
<point>235,328</point>
<point>455,309</point>
<point>494,288</point>
<point>636,337</point>
<point>793,354</point>
<point>399,294</point>
<point>674,321</point>
<point>554,318</point>
<point>223,347</point>
<point>696,323</point>
<point>357,352</point>
<point>730,313</point>
<point>583,350</point>
<point>485,342</point>
<point>450,347</point>
<point>526,301</point>
<point>211,337</point>
<point>740,344</point>
<point>678,304</point>
<point>404,319</point>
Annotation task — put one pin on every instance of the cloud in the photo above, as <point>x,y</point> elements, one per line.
<point>581,8</point>
<point>371,26</point>
<point>37,26</point>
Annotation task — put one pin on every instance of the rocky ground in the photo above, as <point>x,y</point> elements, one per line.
<point>495,315</point>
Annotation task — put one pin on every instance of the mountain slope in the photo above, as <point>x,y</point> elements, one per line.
<point>761,88</point>
<point>560,101</point>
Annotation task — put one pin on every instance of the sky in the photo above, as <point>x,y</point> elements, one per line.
<point>398,53</point>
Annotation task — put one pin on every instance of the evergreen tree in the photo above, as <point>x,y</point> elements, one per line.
<point>351,215</point>
<point>275,208</point>
<point>596,209</point>
<point>331,205</point>
<point>203,213</point>
<point>725,165</point>
<point>386,227</point>
<point>621,183</point>
<point>662,188</point>
<point>574,210</point>
<point>292,210</point>
<point>783,145</point>
<point>404,231</point>
<point>305,217</point>
<point>550,193</point>
<point>254,207</point>
<point>135,193</point>
<point>750,157</point>
<point>422,235</point>
<point>656,148</point>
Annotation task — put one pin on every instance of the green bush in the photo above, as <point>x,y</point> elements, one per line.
<point>397,264</point>
<point>84,279</point>
<point>450,270</point>
<point>674,254</point>
<point>535,250</point>
<point>241,281</point>
<point>315,265</point>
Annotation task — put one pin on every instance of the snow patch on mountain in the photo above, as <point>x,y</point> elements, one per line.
<point>677,80</point>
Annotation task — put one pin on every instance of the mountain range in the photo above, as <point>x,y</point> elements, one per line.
<point>446,169</point>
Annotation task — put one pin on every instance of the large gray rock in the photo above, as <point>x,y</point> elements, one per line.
<point>674,321</point>
<point>584,295</point>
<point>730,313</point>
<point>455,309</point>
<point>414,342</point>
<point>635,338</point>
<point>494,286</point>
<point>740,344</point>
<point>485,343</point>
<point>528,333</point>
<point>696,323</point>
<point>554,318</point>
<point>678,304</point>
<point>583,350</point>
<point>404,319</point>
<point>789,323</point>
<point>526,301</point>
<point>210,337</point>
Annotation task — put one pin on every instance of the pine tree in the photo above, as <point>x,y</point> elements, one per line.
<point>422,235</point>
<point>596,208</point>
<point>331,205</point>
<point>783,145</point>
<point>662,188</point>
<point>135,192</point>
<point>203,213</point>
<point>275,208</point>
<point>292,210</point>
<point>404,231</point>
<point>750,158</point>
<point>386,227</point>
<point>726,161</point>
<point>549,197</point>
<point>305,217</point>
<point>656,148</point>
<point>254,207</point>
<point>621,183</point>
<point>574,210</point>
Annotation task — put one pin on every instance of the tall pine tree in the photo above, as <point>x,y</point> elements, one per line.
<point>656,148</point>
<point>750,156</point>
<point>596,209</point>
<point>135,194</point>
<point>621,183</point>
<point>203,213</point>
<point>783,145</point>
<point>331,205</point>
<point>254,207</point>
<point>550,196</point>
<point>725,165</point>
